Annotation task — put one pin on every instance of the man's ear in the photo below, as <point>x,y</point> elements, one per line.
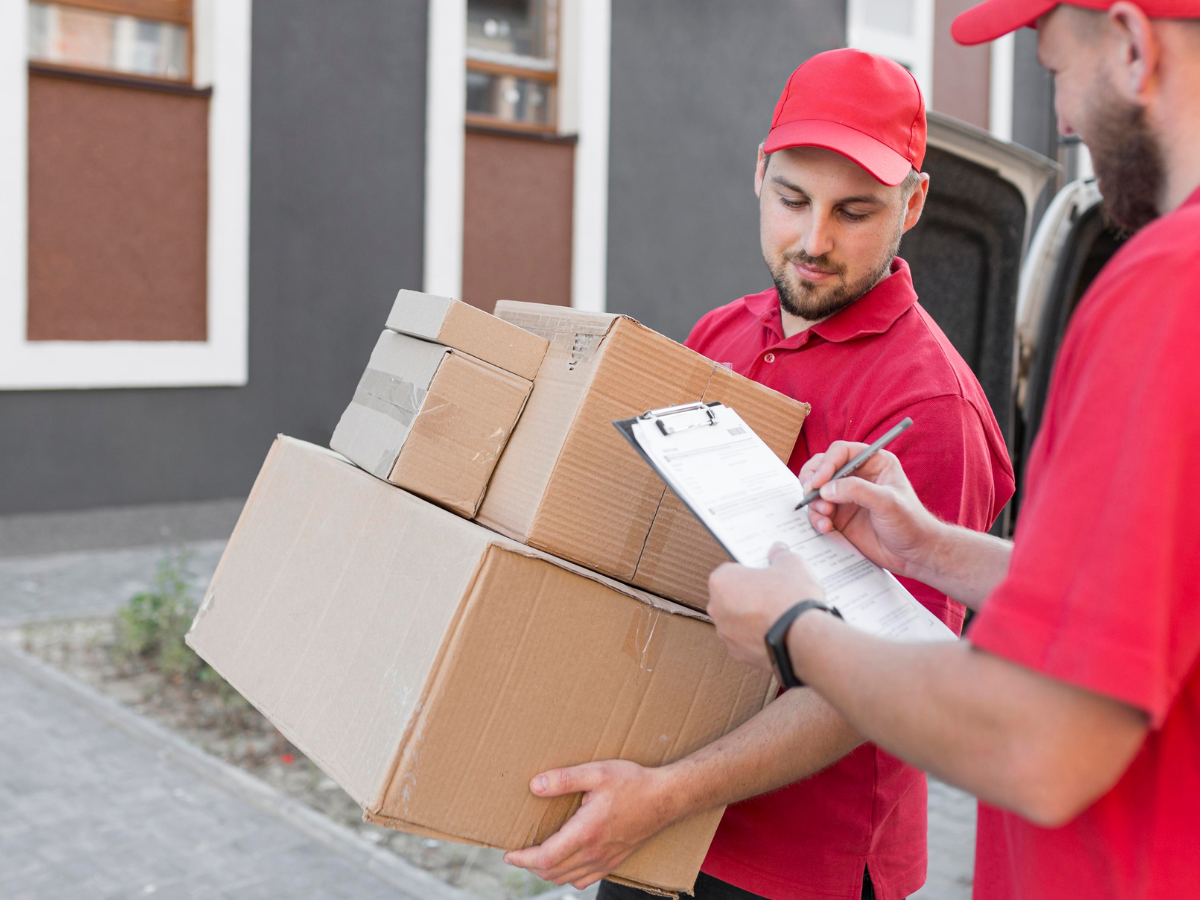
<point>1133,50</point>
<point>760,171</point>
<point>916,203</point>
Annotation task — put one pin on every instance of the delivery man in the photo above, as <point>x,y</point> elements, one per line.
<point>839,182</point>
<point>1073,711</point>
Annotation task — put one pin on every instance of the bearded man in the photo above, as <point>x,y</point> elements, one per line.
<point>1073,711</point>
<point>838,181</point>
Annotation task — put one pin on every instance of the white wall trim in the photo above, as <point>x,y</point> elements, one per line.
<point>220,360</point>
<point>589,252</point>
<point>912,50</point>
<point>445,120</point>
<point>1000,87</point>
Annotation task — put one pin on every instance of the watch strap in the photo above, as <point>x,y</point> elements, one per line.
<point>776,640</point>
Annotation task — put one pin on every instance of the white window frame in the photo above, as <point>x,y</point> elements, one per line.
<point>584,49</point>
<point>914,52</point>
<point>1001,73</point>
<point>222,41</point>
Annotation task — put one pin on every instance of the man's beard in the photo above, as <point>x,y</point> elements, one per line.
<point>807,302</point>
<point>1128,162</point>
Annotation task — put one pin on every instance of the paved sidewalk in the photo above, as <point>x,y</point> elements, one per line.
<point>86,810</point>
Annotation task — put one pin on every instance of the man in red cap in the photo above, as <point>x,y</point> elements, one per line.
<point>1073,711</point>
<point>839,182</point>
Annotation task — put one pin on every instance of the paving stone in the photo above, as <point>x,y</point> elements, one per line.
<point>124,838</point>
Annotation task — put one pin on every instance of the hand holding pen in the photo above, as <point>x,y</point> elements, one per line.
<point>853,465</point>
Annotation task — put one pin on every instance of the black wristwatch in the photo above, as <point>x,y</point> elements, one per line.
<point>776,640</point>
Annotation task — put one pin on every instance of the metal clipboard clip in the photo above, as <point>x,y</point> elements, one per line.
<point>691,415</point>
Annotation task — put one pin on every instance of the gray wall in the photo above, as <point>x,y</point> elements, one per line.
<point>694,83</point>
<point>337,185</point>
<point>1034,123</point>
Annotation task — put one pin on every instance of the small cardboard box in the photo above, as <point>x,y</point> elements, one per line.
<point>463,327</point>
<point>569,484</point>
<point>431,420</point>
<point>432,667</point>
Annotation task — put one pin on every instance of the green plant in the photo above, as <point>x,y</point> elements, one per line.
<point>152,625</point>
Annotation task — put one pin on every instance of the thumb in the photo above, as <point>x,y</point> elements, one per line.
<point>858,491</point>
<point>573,780</point>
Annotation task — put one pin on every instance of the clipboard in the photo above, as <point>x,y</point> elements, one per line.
<point>671,420</point>
<point>745,497</point>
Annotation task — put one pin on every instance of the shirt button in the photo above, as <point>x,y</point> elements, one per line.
<point>770,357</point>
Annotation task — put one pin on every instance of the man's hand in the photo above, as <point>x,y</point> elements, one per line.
<point>876,508</point>
<point>624,805</point>
<point>744,603</point>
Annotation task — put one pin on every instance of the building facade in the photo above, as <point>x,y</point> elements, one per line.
<point>209,205</point>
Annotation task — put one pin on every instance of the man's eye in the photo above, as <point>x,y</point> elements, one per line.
<point>792,204</point>
<point>853,217</point>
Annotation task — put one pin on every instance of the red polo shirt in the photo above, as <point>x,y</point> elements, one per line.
<point>863,370</point>
<point>1103,590</point>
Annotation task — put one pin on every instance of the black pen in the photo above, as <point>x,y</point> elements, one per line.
<point>858,460</point>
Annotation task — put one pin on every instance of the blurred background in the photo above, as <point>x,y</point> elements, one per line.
<point>206,210</point>
<point>209,205</point>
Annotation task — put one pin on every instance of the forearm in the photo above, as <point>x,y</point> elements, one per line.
<point>964,564</point>
<point>1006,734</point>
<point>795,736</point>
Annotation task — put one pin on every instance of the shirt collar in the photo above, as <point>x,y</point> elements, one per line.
<point>872,313</point>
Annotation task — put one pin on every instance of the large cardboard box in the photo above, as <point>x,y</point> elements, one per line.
<point>432,667</point>
<point>463,327</point>
<point>431,420</point>
<point>569,484</point>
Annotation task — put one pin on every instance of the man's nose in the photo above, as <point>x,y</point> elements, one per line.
<point>819,239</point>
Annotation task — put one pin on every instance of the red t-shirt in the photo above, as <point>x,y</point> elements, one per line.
<point>863,370</point>
<point>1103,590</point>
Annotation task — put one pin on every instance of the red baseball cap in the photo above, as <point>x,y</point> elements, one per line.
<point>996,18</point>
<point>863,106</point>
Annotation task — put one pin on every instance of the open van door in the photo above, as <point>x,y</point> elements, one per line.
<point>966,253</point>
<point>1073,242</point>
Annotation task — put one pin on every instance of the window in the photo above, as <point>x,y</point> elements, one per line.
<point>512,63</point>
<point>124,185</point>
<point>151,38</point>
<point>898,29</point>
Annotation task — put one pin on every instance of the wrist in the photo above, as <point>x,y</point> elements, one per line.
<point>931,549</point>
<point>803,638</point>
<point>673,792</point>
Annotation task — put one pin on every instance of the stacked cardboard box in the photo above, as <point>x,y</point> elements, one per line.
<point>569,484</point>
<point>431,665</point>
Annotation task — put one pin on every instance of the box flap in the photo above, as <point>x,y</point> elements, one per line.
<point>466,420</point>
<point>389,396</point>
<point>463,327</point>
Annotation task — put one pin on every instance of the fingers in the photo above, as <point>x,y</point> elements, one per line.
<point>573,780</point>
<point>821,467</point>
<point>551,854</point>
<point>858,491</point>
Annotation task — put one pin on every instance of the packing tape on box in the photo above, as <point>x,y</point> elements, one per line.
<point>580,340</point>
<point>644,640</point>
<point>394,397</point>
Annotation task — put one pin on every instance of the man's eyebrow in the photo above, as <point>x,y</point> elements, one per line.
<point>869,199</point>
<point>784,183</point>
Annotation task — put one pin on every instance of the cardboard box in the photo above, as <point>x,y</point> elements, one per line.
<point>431,420</point>
<point>432,667</point>
<point>463,327</point>
<point>569,484</point>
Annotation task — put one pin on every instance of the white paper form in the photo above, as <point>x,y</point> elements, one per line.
<point>746,497</point>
